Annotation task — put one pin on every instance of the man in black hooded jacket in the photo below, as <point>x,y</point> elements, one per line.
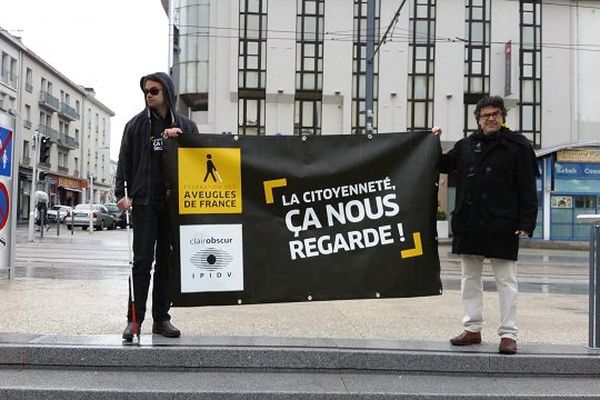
<point>141,166</point>
<point>496,204</point>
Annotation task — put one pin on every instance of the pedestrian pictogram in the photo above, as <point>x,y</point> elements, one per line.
<point>4,205</point>
<point>211,170</point>
<point>5,152</point>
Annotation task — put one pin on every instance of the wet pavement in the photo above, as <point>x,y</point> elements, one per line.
<point>77,284</point>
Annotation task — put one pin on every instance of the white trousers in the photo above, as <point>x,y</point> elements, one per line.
<point>505,272</point>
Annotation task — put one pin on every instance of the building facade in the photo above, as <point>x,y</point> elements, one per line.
<point>264,67</point>
<point>44,103</point>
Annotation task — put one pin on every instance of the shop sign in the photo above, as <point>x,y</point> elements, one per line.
<point>577,171</point>
<point>578,155</point>
<point>68,182</point>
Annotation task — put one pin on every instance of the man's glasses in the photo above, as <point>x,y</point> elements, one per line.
<point>153,91</point>
<point>494,115</point>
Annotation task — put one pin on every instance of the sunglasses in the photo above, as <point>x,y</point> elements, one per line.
<point>153,91</point>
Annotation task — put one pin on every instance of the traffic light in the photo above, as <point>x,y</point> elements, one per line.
<point>44,149</point>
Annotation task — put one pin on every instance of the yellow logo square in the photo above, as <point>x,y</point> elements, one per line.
<point>210,181</point>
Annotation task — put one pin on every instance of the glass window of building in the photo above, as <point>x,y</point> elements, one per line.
<point>309,67</point>
<point>421,65</point>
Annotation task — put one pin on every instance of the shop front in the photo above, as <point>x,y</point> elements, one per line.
<point>571,186</point>
<point>69,191</point>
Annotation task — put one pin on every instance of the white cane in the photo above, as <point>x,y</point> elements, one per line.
<point>136,333</point>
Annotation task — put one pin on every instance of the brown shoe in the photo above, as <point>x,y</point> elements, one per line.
<point>507,346</point>
<point>466,338</point>
<point>166,329</point>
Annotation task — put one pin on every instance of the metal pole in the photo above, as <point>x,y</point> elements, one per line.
<point>42,213</point>
<point>594,317</point>
<point>594,301</point>
<point>35,147</point>
<point>91,202</point>
<point>370,72</point>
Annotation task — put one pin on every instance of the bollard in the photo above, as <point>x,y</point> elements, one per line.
<point>42,220</point>
<point>594,294</point>
<point>57,222</point>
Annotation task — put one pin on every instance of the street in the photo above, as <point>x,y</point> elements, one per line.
<point>78,284</point>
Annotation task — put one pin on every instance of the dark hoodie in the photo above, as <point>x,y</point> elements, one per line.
<point>135,155</point>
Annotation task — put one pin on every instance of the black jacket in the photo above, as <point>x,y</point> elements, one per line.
<point>134,164</point>
<point>495,193</point>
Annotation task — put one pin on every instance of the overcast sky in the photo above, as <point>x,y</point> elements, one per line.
<point>107,45</point>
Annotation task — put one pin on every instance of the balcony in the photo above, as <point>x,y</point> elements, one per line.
<point>48,101</point>
<point>68,112</point>
<point>68,141</point>
<point>27,123</point>
<point>49,132</point>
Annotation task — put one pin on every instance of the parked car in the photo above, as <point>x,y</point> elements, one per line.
<point>61,211</point>
<point>80,216</point>
<point>118,215</point>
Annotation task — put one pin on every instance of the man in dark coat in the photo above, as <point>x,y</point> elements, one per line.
<point>496,204</point>
<point>141,166</point>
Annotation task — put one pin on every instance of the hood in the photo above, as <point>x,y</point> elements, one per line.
<point>168,89</point>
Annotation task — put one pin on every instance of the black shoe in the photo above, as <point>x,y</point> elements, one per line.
<point>166,329</point>
<point>128,332</point>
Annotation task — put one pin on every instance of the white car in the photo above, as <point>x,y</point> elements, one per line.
<point>80,216</point>
<point>61,211</point>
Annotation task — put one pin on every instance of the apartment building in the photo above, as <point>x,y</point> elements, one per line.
<point>42,102</point>
<point>298,67</point>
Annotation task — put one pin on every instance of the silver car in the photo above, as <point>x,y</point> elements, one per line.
<point>58,211</point>
<point>80,216</point>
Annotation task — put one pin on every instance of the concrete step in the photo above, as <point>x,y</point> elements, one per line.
<point>95,367</point>
<point>52,384</point>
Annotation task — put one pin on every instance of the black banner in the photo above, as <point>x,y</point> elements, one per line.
<point>289,218</point>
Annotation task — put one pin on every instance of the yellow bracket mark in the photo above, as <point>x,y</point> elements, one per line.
<point>270,185</point>
<point>417,250</point>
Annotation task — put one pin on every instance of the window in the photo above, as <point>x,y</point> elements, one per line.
<point>29,80</point>
<point>530,55</point>
<point>8,70</point>
<point>309,66</point>
<point>27,120</point>
<point>421,65</point>
<point>252,65</point>
<point>359,67</point>
<point>5,68</point>
<point>26,149</point>
<point>63,160</point>
<point>477,58</point>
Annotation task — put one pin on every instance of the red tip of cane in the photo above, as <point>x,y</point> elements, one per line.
<point>134,319</point>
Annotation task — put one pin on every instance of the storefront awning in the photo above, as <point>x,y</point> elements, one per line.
<point>71,189</point>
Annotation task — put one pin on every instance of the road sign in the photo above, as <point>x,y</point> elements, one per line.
<point>4,205</point>
<point>5,152</point>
